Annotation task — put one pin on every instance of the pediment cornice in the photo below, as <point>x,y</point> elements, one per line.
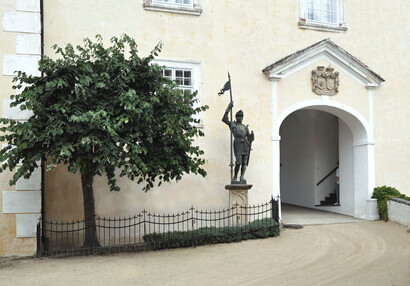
<point>325,49</point>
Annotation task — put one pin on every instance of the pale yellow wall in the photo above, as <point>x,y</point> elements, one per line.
<point>391,101</point>
<point>297,87</point>
<point>242,37</point>
<point>7,221</point>
<point>7,46</point>
<point>9,244</point>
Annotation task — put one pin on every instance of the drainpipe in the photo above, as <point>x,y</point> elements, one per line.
<point>42,28</point>
<point>43,159</point>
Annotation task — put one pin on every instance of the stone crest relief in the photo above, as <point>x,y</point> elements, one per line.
<point>325,81</point>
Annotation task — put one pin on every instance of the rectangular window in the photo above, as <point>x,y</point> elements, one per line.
<point>322,11</point>
<point>187,74</point>
<point>325,15</point>
<point>188,7</point>
<point>175,2</point>
<point>183,77</point>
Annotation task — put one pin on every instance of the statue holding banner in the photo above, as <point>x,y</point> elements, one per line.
<point>241,144</point>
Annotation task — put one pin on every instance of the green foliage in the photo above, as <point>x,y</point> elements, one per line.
<point>212,235</point>
<point>382,194</point>
<point>97,109</point>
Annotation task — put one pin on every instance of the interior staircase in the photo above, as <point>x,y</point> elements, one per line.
<point>330,200</point>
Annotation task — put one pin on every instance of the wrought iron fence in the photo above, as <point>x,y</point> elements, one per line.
<point>152,231</point>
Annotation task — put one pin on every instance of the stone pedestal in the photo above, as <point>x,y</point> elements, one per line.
<point>238,194</point>
<point>238,201</point>
<point>372,211</point>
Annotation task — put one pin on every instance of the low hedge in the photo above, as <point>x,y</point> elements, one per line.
<point>212,235</point>
<point>382,194</point>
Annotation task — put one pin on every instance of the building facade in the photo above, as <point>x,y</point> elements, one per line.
<point>319,81</point>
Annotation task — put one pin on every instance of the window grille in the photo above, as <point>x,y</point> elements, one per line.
<point>182,77</point>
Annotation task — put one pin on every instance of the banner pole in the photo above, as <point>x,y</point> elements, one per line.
<point>230,92</point>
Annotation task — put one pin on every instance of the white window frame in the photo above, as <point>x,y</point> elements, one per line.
<point>339,26</point>
<point>177,3</point>
<point>172,6</point>
<point>195,68</point>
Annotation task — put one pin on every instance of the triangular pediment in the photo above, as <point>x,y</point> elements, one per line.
<point>328,50</point>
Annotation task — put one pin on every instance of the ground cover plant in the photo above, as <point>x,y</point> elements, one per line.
<point>382,194</point>
<point>262,228</point>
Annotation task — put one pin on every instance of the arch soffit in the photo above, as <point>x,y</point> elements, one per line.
<point>357,124</point>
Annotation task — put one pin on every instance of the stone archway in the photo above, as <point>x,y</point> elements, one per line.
<point>359,124</point>
<point>355,148</point>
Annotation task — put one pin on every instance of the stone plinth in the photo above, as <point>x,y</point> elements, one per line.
<point>238,198</point>
<point>238,194</point>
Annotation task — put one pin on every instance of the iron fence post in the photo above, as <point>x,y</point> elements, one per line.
<point>193,227</point>
<point>272,208</point>
<point>275,209</point>
<point>145,227</point>
<point>38,234</point>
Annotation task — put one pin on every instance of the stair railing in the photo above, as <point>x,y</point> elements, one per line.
<point>325,177</point>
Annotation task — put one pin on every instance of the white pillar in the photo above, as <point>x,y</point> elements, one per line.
<point>274,101</point>
<point>275,138</point>
<point>363,177</point>
<point>371,112</point>
<point>275,142</point>
<point>276,165</point>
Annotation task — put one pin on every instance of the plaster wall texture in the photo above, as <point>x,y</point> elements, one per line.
<point>297,87</point>
<point>19,50</point>
<point>298,158</point>
<point>309,151</point>
<point>241,37</point>
<point>7,46</point>
<point>399,212</point>
<point>345,173</point>
<point>28,5</point>
<point>326,153</point>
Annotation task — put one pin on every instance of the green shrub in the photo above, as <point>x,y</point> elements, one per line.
<point>212,235</point>
<point>382,194</point>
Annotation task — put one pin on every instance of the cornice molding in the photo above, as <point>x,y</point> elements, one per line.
<point>325,49</point>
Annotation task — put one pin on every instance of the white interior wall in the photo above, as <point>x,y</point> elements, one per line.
<point>326,153</point>
<point>362,175</point>
<point>346,172</point>
<point>360,148</point>
<point>309,150</point>
<point>297,157</point>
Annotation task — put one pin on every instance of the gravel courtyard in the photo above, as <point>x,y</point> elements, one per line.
<point>361,253</point>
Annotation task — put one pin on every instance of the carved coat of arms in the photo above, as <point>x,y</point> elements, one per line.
<point>325,81</point>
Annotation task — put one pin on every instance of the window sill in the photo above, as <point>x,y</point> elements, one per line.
<point>172,9</point>
<point>322,27</point>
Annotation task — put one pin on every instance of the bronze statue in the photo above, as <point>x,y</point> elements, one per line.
<point>241,144</point>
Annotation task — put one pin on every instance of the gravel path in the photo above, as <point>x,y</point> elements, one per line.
<point>363,253</point>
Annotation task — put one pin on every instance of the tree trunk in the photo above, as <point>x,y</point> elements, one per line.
<point>90,239</point>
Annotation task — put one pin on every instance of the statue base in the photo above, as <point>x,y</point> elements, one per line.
<point>243,182</point>
<point>238,201</point>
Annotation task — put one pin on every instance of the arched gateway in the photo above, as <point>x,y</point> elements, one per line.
<point>311,132</point>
